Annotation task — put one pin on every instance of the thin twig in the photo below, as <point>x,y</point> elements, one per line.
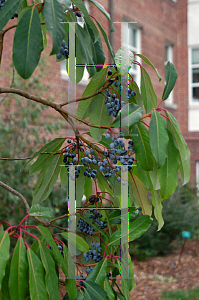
<point>13,78</point>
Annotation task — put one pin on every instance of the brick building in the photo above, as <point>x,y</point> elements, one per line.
<point>162,30</point>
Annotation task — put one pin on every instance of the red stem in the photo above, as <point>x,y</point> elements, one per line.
<point>5,222</point>
<point>31,235</point>
<point>23,220</point>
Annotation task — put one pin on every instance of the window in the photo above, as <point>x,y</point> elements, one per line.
<point>169,57</point>
<point>194,76</point>
<point>132,41</point>
<point>64,74</point>
<point>197,176</point>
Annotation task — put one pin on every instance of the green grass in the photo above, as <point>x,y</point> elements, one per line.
<point>181,295</point>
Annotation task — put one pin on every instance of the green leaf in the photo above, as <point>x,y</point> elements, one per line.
<point>115,216</point>
<point>19,272</point>
<point>124,59</point>
<point>185,169</point>
<point>132,283</point>
<point>95,291</point>
<point>98,273</point>
<point>109,290</point>
<point>39,211</point>
<point>169,171</point>
<point>36,277</point>
<point>53,13</point>
<point>28,43</point>
<point>51,278</point>
<point>147,92</point>
<point>44,188</point>
<point>137,99</point>
<point>136,229</point>
<point>130,114</point>
<point>4,292</point>
<point>94,85</point>
<point>55,251</point>
<point>4,253</point>
<point>154,176</point>
<point>170,77</point>
<point>144,177</point>
<point>80,182</point>
<point>87,18</point>
<point>102,9</point>
<point>144,156</point>
<point>106,40</point>
<point>98,116</point>
<point>7,11</point>
<point>158,138</point>
<point>70,283</point>
<point>1,228</point>
<point>77,241</point>
<point>156,201</point>
<point>87,187</point>
<point>125,281</point>
<point>150,64</point>
<point>64,176</point>
<point>140,195</point>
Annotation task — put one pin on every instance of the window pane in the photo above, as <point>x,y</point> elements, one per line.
<point>195,97</point>
<point>167,54</point>
<point>195,75</point>
<point>195,56</point>
<point>133,37</point>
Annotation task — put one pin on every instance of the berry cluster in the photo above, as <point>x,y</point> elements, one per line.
<point>63,51</point>
<point>83,277</point>
<point>60,249</point>
<point>2,2</point>
<point>85,227</point>
<point>96,219</point>
<point>93,254</point>
<point>113,104</point>
<point>93,200</point>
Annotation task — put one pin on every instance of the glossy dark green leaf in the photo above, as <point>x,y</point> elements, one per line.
<point>28,43</point>
<point>130,114</point>
<point>4,253</point>
<point>64,176</point>
<point>171,75</point>
<point>77,241</point>
<point>158,138</point>
<point>109,290</point>
<point>94,85</point>
<point>19,272</point>
<point>169,171</point>
<point>147,92</point>
<point>106,40</point>
<point>45,186</point>
<point>39,211</point>
<point>154,176</point>
<point>140,194</point>
<point>115,216</point>
<point>36,277</point>
<point>144,176</point>
<point>55,251</point>
<point>136,229</point>
<point>51,278</point>
<point>87,187</point>
<point>95,291</point>
<point>98,116</point>
<point>150,64</point>
<point>53,13</point>
<point>4,292</point>
<point>7,11</point>
<point>98,273</point>
<point>144,156</point>
<point>156,201</point>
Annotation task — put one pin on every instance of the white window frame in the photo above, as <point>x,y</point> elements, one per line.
<point>126,27</point>
<point>64,74</point>
<point>191,84</point>
<point>169,100</point>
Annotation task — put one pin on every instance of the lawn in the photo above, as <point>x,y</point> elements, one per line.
<point>181,295</point>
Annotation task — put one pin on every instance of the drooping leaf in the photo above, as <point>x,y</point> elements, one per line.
<point>158,138</point>
<point>55,251</point>
<point>19,272</point>
<point>94,85</point>
<point>44,187</point>
<point>51,278</point>
<point>87,187</point>
<point>76,241</point>
<point>147,92</point>
<point>169,171</point>
<point>150,64</point>
<point>95,291</point>
<point>109,290</point>
<point>144,156</point>
<point>170,77</point>
<point>7,11</point>
<point>28,43</point>
<point>185,169</point>
<point>36,277</point>
<point>140,195</point>
<point>53,13</point>
<point>4,292</point>
<point>39,211</point>
<point>130,114</point>
<point>156,201</point>
<point>98,273</point>
<point>64,176</point>
<point>98,116</point>
<point>70,281</point>
<point>132,283</point>
<point>136,229</point>
<point>144,177</point>
<point>4,253</point>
